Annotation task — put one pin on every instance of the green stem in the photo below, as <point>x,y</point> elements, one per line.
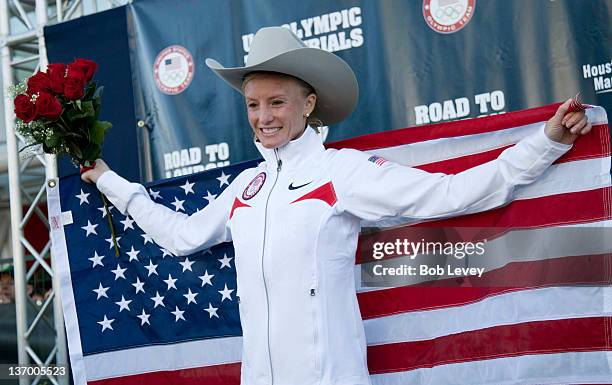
<point>110,223</point>
<point>63,124</point>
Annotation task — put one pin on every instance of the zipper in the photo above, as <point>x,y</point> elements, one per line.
<point>279,164</point>
<point>315,325</point>
<point>314,290</point>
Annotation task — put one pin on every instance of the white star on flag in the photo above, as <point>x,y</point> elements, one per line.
<point>90,228</point>
<point>225,261</point>
<point>144,318</point>
<point>190,297</point>
<point>119,272</point>
<point>206,278</point>
<point>101,291</point>
<point>186,264</point>
<point>212,311</point>
<point>166,252</point>
<point>226,293</point>
<point>123,304</point>
<point>138,285</point>
<point>170,282</point>
<point>133,254</point>
<point>154,194</point>
<point>103,209</point>
<point>127,223</point>
<point>96,259</point>
<point>147,238</point>
<point>178,314</point>
<point>178,204</point>
<point>188,187</point>
<point>106,323</point>
<point>111,244</point>
<point>151,268</point>
<point>158,299</point>
<point>209,197</point>
<point>223,179</point>
<point>82,197</point>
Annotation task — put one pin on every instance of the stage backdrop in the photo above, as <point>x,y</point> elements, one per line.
<point>417,62</point>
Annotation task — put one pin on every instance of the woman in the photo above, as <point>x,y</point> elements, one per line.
<point>294,219</point>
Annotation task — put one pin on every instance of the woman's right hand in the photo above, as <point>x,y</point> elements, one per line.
<point>91,176</point>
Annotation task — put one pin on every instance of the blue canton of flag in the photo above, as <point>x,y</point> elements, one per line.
<point>147,296</point>
<point>172,63</point>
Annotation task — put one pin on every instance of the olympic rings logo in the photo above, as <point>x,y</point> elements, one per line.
<point>175,76</point>
<point>449,12</point>
<point>448,16</point>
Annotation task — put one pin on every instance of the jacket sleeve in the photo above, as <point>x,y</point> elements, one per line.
<point>177,232</point>
<point>390,194</point>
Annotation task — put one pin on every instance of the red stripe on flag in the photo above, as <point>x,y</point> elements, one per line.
<point>515,276</point>
<point>226,374</point>
<point>541,337</point>
<point>577,207</point>
<point>587,147</point>
<point>447,129</point>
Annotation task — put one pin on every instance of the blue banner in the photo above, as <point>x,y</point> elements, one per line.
<point>417,62</point>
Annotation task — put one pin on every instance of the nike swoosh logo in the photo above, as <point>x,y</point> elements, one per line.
<point>292,187</point>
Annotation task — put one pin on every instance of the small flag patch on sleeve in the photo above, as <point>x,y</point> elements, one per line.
<point>377,160</point>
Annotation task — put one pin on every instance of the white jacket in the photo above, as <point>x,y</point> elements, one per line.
<point>294,222</point>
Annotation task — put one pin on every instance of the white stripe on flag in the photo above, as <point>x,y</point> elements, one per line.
<point>184,355</point>
<point>580,175</point>
<point>505,309</point>
<point>542,369</point>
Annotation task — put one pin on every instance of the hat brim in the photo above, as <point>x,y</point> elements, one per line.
<point>330,76</point>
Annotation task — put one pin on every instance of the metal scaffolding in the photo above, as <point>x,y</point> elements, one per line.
<point>23,52</point>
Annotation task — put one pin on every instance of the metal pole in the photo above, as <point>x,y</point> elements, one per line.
<point>51,173</point>
<point>15,195</point>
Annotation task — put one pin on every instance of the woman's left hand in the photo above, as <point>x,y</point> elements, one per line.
<point>565,126</point>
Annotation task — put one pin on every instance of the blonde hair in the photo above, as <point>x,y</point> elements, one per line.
<point>307,89</point>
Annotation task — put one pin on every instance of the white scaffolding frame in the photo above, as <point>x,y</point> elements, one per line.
<point>23,53</point>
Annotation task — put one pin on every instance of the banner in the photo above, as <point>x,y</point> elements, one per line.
<point>417,62</point>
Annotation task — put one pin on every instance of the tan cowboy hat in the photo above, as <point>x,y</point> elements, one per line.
<point>277,49</point>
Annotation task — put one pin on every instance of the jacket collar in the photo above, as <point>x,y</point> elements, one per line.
<point>294,153</point>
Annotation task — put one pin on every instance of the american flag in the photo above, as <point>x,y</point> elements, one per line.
<point>150,317</point>
<point>172,63</point>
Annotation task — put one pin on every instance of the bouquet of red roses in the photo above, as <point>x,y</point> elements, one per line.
<point>58,110</point>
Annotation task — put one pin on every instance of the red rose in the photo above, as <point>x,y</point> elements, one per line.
<point>56,74</point>
<point>38,82</point>
<point>24,108</point>
<point>48,106</point>
<point>74,83</point>
<point>88,67</point>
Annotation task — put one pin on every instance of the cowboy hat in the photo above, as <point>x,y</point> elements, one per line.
<point>277,49</point>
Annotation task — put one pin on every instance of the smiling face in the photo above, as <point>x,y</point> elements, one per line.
<point>277,106</point>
